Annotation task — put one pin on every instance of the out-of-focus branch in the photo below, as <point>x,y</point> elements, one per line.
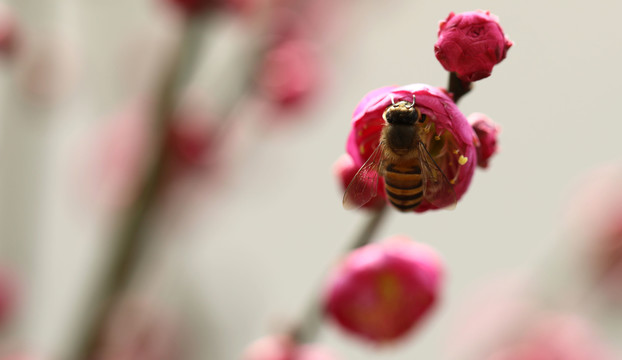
<point>130,239</point>
<point>308,327</point>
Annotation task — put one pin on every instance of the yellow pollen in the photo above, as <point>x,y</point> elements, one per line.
<point>452,181</point>
<point>463,160</point>
<point>437,138</point>
<point>456,151</point>
<point>361,149</point>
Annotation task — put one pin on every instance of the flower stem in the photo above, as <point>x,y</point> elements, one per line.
<point>458,87</point>
<point>130,240</point>
<point>308,327</point>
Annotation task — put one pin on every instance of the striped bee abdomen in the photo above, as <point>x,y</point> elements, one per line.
<point>404,185</point>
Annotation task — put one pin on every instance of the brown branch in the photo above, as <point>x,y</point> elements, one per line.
<point>458,87</point>
<point>130,240</point>
<point>309,325</point>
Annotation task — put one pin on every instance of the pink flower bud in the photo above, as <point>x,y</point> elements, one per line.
<point>283,348</point>
<point>289,73</point>
<point>471,44</point>
<point>486,131</point>
<point>8,295</point>
<point>345,169</point>
<point>382,291</point>
<point>594,216</point>
<point>8,32</point>
<point>138,329</point>
<point>447,135</point>
<point>199,7</point>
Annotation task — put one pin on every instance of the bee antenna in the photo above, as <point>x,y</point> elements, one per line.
<point>414,100</point>
<point>393,100</point>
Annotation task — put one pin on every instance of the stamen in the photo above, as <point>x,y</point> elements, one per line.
<point>437,137</point>
<point>463,160</point>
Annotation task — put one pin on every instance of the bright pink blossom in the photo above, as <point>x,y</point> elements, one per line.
<point>471,44</point>
<point>382,291</point>
<point>487,132</point>
<point>449,138</point>
<point>283,348</point>
<point>345,169</point>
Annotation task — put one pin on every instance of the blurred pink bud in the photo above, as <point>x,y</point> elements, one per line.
<point>345,169</point>
<point>283,348</point>
<point>566,338</point>
<point>595,217</point>
<point>139,330</point>
<point>471,44</point>
<point>382,291</point>
<point>487,132</point>
<point>9,32</point>
<point>21,356</point>
<point>8,295</point>
<point>289,73</point>
<point>199,7</point>
<point>122,151</point>
<point>449,136</point>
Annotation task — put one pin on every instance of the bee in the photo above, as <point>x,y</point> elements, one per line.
<point>402,159</point>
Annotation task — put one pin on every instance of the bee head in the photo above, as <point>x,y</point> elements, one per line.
<point>401,113</point>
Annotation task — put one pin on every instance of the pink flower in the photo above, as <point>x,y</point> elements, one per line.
<point>487,132</point>
<point>8,32</point>
<point>8,295</point>
<point>199,7</point>
<point>122,151</point>
<point>560,337</point>
<point>138,329</point>
<point>471,44</point>
<point>345,169</point>
<point>289,73</point>
<point>448,136</point>
<point>595,218</point>
<point>382,291</point>
<point>283,348</point>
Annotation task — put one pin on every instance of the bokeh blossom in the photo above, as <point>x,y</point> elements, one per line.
<point>200,7</point>
<point>594,216</point>
<point>289,72</point>
<point>448,136</point>
<point>470,44</point>
<point>487,132</point>
<point>284,348</point>
<point>8,295</point>
<point>9,32</point>
<point>382,291</point>
<point>558,337</point>
<point>121,151</point>
<point>138,329</point>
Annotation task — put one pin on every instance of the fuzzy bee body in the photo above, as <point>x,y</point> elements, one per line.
<point>410,173</point>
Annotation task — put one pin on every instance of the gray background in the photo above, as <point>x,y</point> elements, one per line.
<point>251,247</point>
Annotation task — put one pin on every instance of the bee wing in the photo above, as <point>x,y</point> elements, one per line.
<point>436,187</point>
<point>364,185</point>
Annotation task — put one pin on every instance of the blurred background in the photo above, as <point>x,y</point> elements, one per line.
<point>242,234</point>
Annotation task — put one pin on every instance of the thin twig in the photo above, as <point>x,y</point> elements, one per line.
<point>309,325</point>
<point>130,240</point>
<point>458,87</point>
